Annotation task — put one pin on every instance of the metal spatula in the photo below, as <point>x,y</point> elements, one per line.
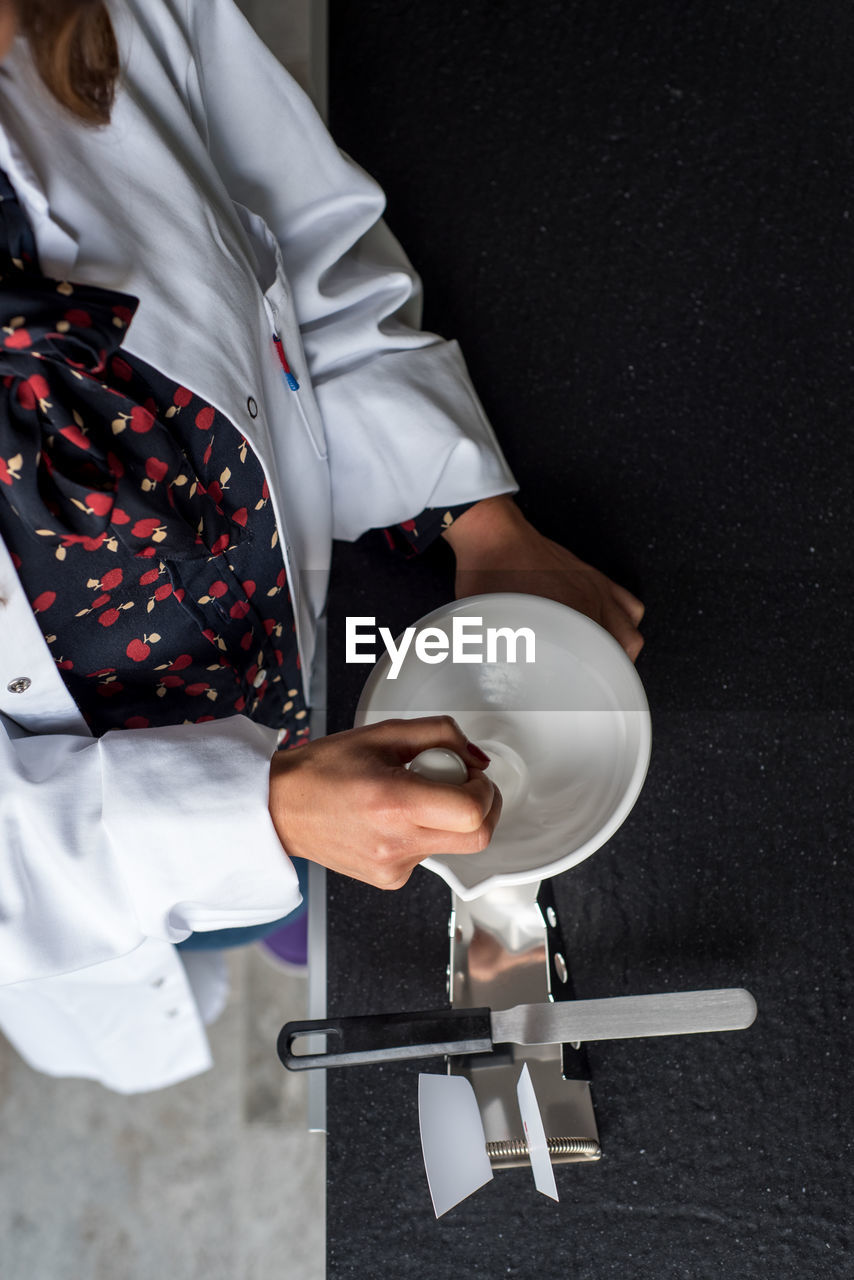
<point>383,1037</point>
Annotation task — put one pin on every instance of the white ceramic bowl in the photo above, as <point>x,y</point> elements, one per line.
<point>569,734</point>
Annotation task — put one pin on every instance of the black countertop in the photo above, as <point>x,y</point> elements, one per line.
<point>637,220</point>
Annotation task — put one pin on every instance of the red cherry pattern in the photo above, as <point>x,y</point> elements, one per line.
<point>145,528</point>
<point>133,640</point>
<point>141,420</point>
<point>73,434</point>
<point>17,339</point>
<point>138,650</point>
<point>160,582</point>
<point>100,503</point>
<point>43,601</point>
<point>31,391</point>
<point>97,454</point>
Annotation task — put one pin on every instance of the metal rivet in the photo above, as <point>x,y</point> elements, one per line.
<point>560,967</point>
<point>252,407</point>
<point>552,918</point>
<point>20,685</point>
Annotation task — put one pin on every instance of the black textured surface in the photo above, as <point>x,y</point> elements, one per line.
<point>637,220</point>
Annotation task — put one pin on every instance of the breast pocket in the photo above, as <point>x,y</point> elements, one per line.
<point>265,252</point>
<point>270,274</point>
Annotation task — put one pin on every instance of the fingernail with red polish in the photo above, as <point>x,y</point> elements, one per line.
<point>477,753</point>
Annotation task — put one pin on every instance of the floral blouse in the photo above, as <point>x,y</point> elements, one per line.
<point>138,518</point>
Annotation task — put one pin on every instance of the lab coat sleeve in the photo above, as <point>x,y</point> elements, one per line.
<point>404,426</point>
<point>141,833</point>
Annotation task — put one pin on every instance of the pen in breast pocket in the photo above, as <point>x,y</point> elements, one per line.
<point>283,360</point>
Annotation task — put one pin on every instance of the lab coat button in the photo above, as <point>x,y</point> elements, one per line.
<point>252,406</point>
<point>19,685</point>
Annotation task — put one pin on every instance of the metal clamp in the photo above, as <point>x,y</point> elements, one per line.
<point>507,948</point>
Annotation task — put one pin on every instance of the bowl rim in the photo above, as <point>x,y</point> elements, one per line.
<point>506,879</point>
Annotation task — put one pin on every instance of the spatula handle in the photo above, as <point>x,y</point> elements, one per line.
<point>387,1037</point>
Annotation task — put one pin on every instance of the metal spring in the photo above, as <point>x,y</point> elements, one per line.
<point>516,1148</point>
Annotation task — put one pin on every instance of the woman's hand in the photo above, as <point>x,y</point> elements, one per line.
<point>347,801</point>
<point>498,550</point>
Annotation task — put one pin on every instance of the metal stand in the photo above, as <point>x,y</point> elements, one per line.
<point>507,949</point>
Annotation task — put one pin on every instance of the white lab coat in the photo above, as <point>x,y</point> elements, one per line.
<point>216,197</point>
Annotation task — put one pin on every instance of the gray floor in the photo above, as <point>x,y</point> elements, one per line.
<point>214,1179</point>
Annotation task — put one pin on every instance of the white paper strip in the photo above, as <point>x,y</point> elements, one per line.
<point>452,1140</point>
<point>535,1134</point>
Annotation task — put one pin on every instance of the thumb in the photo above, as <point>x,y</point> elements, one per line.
<point>405,739</point>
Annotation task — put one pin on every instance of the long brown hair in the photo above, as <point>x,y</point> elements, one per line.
<point>74,50</point>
